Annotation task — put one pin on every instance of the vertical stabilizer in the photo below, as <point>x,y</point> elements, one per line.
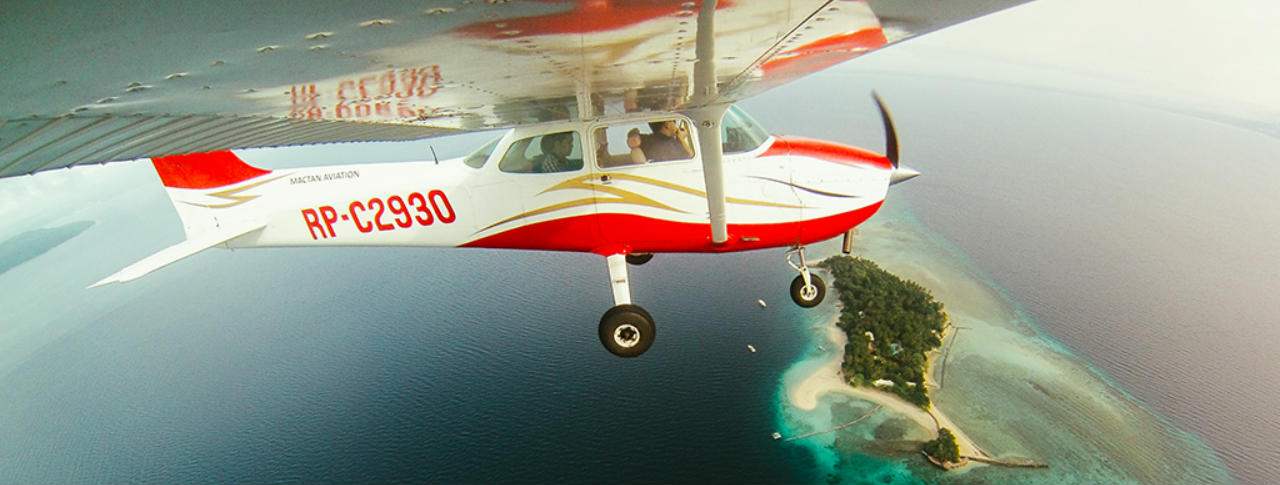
<point>204,170</point>
<point>209,190</point>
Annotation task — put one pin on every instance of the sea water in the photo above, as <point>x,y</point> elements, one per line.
<point>394,365</point>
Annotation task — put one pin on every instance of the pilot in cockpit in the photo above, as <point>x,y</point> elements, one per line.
<point>556,148</point>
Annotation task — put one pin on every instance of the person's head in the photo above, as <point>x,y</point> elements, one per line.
<point>558,144</point>
<point>667,128</point>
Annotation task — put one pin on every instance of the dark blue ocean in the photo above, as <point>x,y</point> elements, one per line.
<point>404,365</point>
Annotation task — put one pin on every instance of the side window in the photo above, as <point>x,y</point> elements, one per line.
<point>549,153</point>
<point>635,143</point>
<point>477,158</point>
<point>739,132</point>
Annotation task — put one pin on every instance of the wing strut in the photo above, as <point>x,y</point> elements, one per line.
<point>707,120</point>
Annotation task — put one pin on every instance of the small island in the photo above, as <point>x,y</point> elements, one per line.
<point>891,325</point>
<point>888,329</point>
<point>944,451</point>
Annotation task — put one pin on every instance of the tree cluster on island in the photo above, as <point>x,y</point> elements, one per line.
<point>891,324</point>
<point>944,448</point>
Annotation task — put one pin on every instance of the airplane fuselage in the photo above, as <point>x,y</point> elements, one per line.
<point>786,191</point>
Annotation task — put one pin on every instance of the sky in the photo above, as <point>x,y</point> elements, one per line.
<point>1211,59</point>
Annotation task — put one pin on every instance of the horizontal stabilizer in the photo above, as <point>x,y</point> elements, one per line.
<point>175,253</point>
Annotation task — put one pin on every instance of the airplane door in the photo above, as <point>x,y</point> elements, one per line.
<point>649,201</point>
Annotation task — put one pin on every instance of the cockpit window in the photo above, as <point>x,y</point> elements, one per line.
<point>740,133</point>
<point>549,153</point>
<point>477,158</point>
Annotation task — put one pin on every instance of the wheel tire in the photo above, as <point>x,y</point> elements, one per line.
<point>639,258</point>
<point>627,330</point>
<point>808,299</point>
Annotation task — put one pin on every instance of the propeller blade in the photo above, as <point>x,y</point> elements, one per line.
<point>890,134</point>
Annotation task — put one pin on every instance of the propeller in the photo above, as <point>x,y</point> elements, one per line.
<point>890,134</point>
<point>900,173</point>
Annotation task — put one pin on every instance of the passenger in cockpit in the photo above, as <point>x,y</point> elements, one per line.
<point>668,141</point>
<point>634,140</point>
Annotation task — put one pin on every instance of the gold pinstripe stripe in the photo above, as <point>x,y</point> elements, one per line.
<point>622,196</point>
<point>234,195</point>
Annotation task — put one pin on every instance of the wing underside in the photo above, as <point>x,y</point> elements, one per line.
<point>93,82</point>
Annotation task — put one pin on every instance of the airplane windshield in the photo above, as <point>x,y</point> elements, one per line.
<point>477,158</point>
<point>740,132</point>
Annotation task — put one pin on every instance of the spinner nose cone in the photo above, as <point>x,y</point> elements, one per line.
<point>903,173</point>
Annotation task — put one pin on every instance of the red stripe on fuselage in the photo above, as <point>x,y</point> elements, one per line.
<point>586,17</point>
<point>204,170</point>
<point>824,150</point>
<point>649,235</point>
<point>823,53</point>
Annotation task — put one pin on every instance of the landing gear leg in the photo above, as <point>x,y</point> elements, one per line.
<point>807,290</point>
<point>626,330</point>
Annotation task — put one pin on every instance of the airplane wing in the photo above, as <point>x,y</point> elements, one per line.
<point>85,82</point>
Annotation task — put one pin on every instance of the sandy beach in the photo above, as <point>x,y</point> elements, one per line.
<point>827,378</point>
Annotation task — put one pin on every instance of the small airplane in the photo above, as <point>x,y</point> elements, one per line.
<point>622,139</point>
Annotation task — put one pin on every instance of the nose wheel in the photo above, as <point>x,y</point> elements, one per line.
<point>807,289</point>
<point>810,294</point>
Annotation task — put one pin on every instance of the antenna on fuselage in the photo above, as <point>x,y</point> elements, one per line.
<point>433,154</point>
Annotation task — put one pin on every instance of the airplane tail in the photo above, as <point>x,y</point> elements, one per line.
<point>207,188</point>
<point>208,192</point>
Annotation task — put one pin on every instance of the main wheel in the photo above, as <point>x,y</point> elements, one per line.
<point>627,330</point>
<point>809,296</point>
<point>639,258</point>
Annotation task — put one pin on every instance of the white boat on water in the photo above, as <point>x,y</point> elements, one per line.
<point>761,302</point>
<point>751,348</point>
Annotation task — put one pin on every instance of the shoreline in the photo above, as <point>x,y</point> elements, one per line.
<point>826,378</point>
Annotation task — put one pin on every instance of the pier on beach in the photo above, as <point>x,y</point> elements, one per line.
<point>828,430</point>
<point>1013,462</point>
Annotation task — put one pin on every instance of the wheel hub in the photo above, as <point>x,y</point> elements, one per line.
<point>809,292</point>
<point>626,335</point>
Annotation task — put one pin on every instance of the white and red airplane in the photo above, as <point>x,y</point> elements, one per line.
<point>622,138</point>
